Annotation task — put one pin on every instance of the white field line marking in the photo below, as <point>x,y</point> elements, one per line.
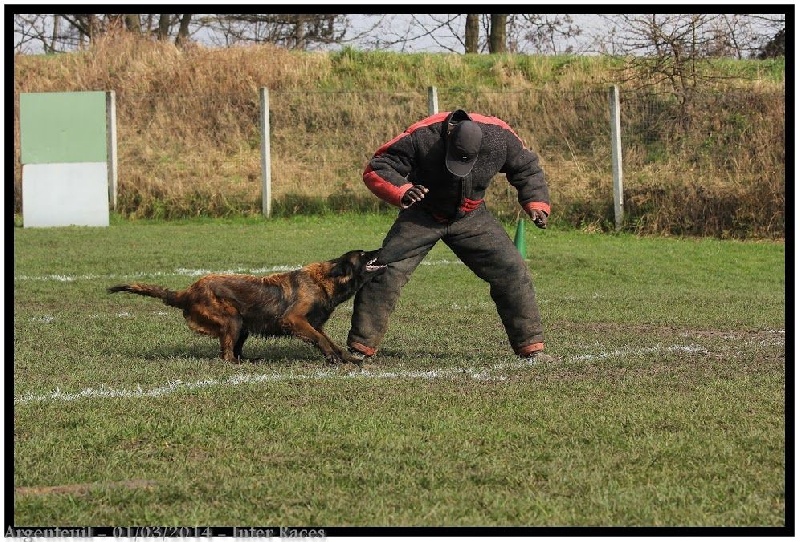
<point>181,271</point>
<point>478,373</point>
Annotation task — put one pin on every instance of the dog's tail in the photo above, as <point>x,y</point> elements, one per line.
<point>169,297</point>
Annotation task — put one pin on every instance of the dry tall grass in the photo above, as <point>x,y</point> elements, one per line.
<point>189,144</point>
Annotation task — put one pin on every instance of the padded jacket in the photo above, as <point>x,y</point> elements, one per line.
<point>417,156</point>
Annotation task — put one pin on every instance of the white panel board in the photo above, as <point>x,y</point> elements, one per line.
<point>65,194</point>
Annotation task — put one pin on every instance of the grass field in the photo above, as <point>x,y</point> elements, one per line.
<point>665,405</point>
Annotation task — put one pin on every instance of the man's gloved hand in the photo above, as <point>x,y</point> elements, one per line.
<point>539,218</point>
<point>413,195</point>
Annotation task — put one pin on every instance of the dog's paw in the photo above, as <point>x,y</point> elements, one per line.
<point>228,358</point>
<point>347,357</point>
<point>334,359</point>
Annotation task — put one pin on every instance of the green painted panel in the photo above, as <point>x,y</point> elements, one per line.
<point>62,127</point>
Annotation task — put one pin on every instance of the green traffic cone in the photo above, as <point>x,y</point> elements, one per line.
<point>519,238</point>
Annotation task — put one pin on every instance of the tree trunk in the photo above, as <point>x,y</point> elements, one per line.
<point>163,26</point>
<point>56,27</point>
<point>183,30</point>
<point>471,33</point>
<point>497,34</point>
<point>132,23</point>
<point>300,33</point>
<point>89,34</point>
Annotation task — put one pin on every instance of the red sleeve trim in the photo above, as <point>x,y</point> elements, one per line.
<point>382,188</point>
<point>537,206</point>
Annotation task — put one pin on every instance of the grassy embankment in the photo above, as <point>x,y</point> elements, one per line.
<point>189,144</point>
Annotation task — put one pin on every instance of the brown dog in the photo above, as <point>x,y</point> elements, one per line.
<point>296,303</point>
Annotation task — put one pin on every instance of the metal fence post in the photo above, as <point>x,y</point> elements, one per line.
<point>616,154</point>
<point>266,162</point>
<point>433,101</point>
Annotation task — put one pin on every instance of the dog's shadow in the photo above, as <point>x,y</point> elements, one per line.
<point>272,350</point>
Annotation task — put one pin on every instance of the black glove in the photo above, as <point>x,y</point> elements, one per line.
<point>539,218</point>
<point>413,195</point>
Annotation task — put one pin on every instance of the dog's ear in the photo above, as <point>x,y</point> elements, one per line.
<point>342,268</point>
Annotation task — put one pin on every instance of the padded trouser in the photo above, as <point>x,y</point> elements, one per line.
<point>479,241</point>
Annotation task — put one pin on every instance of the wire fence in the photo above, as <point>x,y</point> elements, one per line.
<point>705,158</point>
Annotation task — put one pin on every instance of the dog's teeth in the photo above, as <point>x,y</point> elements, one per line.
<point>371,267</point>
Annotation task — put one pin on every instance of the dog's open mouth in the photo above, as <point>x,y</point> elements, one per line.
<point>372,266</point>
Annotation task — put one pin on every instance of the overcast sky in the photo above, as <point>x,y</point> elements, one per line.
<point>408,32</point>
<point>402,25</point>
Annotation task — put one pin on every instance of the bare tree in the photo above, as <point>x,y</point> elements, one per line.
<point>80,29</point>
<point>664,49</point>
<point>497,33</point>
<point>164,21</point>
<point>774,47</point>
<point>719,35</point>
<point>773,42</point>
<point>54,40</point>
<point>739,35</point>
<point>81,26</point>
<point>441,30</point>
<point>735,36</point>
<point>133,23</point>
<point>544,33</point>
<point>31,31</point>
<point>183,30</point>
<point>444,32</point>
<point>293,31</point>
<point>475,33</point>
<point>669,51</point>
<point>535,33</point>
<point>471,34</point>
<point>166,24</point>
<point>64,32</point>
<point>456,33</point>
